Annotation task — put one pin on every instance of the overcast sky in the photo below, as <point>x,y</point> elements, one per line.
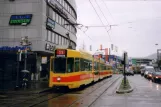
<point>138,30</point>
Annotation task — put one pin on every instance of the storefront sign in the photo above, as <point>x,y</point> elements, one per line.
<point>20,19</point>
<point>50,23</point>
<point>16,48</point>
<point>49,47</point>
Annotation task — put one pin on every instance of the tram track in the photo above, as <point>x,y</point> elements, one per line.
<point>110,81</point>
<point>36,101</point>
<point>104,91</point>
<point>62,95</point>
<point>113,81</point>
<point>45,95</point>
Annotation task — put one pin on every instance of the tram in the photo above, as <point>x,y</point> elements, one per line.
<point>73,69</point>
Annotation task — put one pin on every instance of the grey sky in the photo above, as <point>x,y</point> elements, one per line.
<point>139,24</point>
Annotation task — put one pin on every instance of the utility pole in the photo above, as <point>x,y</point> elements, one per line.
<point>124,69</point>
<point>124,62</point>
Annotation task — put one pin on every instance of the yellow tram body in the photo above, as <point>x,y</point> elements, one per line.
<point>72,69</point>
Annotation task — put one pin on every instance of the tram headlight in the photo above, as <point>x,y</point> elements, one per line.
<point>58,78</point>
<point>156,77</point>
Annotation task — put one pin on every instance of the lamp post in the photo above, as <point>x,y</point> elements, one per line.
<point>26,43</point>
<point>18,65</point>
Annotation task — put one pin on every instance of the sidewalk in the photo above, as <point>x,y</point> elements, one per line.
<point>33,88</point>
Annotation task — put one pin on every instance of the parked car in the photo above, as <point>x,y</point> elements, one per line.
<point>156,76</point>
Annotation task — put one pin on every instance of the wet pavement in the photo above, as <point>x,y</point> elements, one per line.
<point>145,94</point>
<point>74,98</point>
<point>101,94</point>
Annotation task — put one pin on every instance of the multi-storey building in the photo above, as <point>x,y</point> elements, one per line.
<point>45,24</point>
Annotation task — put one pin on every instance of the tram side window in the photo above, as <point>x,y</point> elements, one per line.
<point>87,65</point>
<point>82,67</point>
<point>90,66</point>
<point>104,67</point>
<point>77,63</point>
<point>96,66</point>
<point>70,65</point>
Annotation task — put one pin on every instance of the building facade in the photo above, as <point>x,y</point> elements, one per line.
<point>139,61</point>
<point>45,24</point>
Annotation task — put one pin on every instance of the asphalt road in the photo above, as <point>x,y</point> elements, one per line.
<point>145,94</point>
<point>101,94</point>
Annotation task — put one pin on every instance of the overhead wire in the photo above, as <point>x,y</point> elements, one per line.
<point>108,9</point>
<point>100,19</point>
<point>86,34</point>
<point>102,12</point>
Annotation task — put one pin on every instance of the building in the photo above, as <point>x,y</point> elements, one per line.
<point>139,61</point>
<point>45,24</point>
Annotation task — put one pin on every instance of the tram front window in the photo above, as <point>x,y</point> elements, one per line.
<point>70,65</point>
<point>60,65</point>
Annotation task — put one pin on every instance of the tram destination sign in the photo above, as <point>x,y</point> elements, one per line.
<point>61,53</point>
<point>20,19</point>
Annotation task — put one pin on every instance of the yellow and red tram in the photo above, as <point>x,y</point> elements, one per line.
<point>72,69</point>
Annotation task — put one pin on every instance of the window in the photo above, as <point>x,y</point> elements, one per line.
<point>67,41</point>
<point>56,38</point>
<point>77,62</point>
<point>53,37</point>
<point>96,66</point>
<point>70,65</point>
<point>70,10</point>
<point>70,28</point>
<point>47,10</point>
<point>60,65</point>
<point>57,18</point>
<point>59,1</point>
<point>90,65</point>
<point>60,40</point>
<point>49,35</point>
<point>84,65</point>
<point>60,20</point>
<point>53,15</point>
<point>50,12</point>
<point>64,41</point>
<point>63,2</point>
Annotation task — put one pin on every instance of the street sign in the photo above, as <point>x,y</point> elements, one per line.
<point>44,60</point>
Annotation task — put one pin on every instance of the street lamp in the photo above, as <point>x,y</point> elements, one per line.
<point>26,43</point>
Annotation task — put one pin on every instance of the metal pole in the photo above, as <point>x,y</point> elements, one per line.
<point>124,69</point>
<point>25,63</point>
<point>17,79</point>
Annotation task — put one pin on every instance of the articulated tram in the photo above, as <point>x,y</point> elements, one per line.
<point>73,69</point>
